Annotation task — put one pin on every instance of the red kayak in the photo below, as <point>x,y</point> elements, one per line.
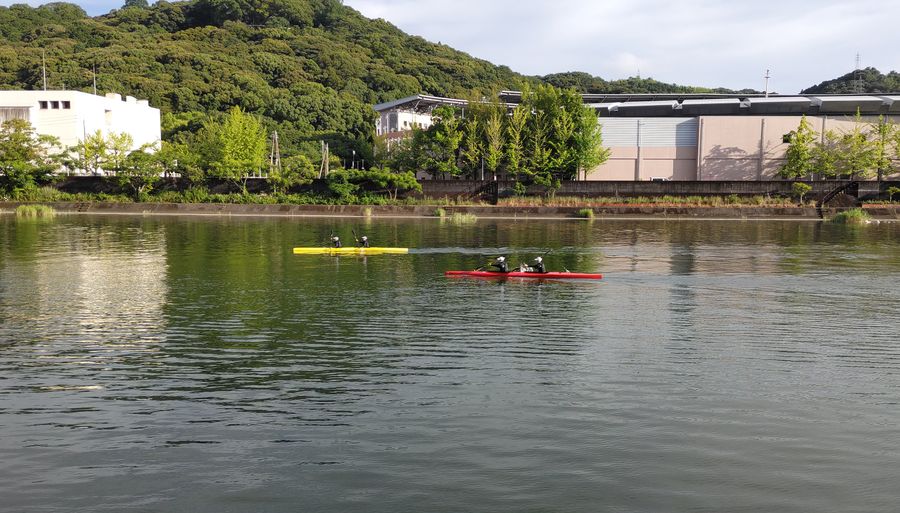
<point>518,274</point>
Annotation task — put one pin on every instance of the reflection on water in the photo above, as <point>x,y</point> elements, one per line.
<point>197,365</point>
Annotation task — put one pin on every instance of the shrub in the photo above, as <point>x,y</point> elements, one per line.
<point>585,213</point>
<point>800,189</point>
<point>891,191</point>
<point>461,218</point>
<point>852,216</point>
<point>31,211</point>
<point>440,212</point>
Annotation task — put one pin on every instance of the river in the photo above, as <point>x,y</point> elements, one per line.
<point>164,364</point>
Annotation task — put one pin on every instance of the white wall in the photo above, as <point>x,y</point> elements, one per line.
<point>400,121</point>
<point>69,115</point>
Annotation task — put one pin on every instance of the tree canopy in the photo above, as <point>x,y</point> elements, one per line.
<point>310,69</point>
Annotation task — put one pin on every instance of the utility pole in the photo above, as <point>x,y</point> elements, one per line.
<point>94,72</point>
<point>44,67</point>
<point>857,86</point>
<point>767,77</point>
<point>323,169</point>
<point>275,155</point>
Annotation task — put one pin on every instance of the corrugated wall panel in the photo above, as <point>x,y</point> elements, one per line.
<point>654,132</point>
<point>619,132</point>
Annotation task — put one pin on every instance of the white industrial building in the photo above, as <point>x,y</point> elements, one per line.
<point>72,115</point>
<point>399,116</point>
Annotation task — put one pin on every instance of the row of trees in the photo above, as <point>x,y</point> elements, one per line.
<point>550,136</point>
<point>864,151</point>
<point>233,148</point>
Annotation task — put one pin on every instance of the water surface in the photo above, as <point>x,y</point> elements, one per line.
<point>195,364</point>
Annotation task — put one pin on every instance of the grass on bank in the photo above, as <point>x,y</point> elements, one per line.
<point>461,218</point>
<point>203,195</point>
<point>675,201</point>
<point>585,213</point>
<point>854,216</point>
<point>35,211</point>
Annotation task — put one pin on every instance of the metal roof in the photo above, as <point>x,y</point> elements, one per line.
<point>632,105</point>
<point>419,102</point>
<point>892,103</point>
<point>844,104</point>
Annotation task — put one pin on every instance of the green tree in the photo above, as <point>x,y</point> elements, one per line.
<point>858,153</point>
<point>588,141</point>
<point>89,154</point>
<point>238,147</point>
<point>392,182</point>
<point>470,150</point>
<point>295,170</point>
<point>139,171</point>
<point>826,155</point>
<point>493,141</point>
<point>118,146</point>
<point>179,159</point>
<point>800,159</point>
<point>515,140</point>
<point>800,189</point>
<point>436,149</point>
<point>883,133</point>
<point>25,157</point>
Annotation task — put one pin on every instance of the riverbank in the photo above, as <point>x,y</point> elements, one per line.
<point>881,212</point>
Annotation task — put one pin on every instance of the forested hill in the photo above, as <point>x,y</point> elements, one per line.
<point>585,83</point>
<point>868,80</point>
<point>310,68</point>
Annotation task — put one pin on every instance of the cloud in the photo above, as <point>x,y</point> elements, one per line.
<point>693,42</point>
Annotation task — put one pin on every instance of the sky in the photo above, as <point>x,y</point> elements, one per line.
<point>709,43</point>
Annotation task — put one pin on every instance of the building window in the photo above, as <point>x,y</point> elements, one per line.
<point>54,104</point>
<point>67,105</point>
<point>42,104</point>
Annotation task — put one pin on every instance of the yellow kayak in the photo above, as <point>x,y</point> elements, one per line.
<point>351,251</point>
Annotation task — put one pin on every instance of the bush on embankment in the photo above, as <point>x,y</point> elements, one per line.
<point>852,216</point>
<point>34,211</point>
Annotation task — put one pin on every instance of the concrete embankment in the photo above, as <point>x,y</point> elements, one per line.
<point>482,211</point>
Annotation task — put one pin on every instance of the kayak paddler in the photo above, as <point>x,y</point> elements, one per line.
<point>500,264</point>
<point>335,241</point>
<point>538,265</point>
<point>363,242</point>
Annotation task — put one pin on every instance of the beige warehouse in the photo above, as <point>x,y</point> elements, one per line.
<point>708,147</point>
<point>689,136</point>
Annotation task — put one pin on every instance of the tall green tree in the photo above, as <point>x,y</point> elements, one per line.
<point>89,154</point>
<point>799,156</point>
<point>588,141</point>
<point>515,140</point>
<point>237,147</point>
<point>826,155</point>
<point>471,149</point>
<point>882,133</point>
<point>437,148</point>
<point>140,171</point>
<point>493,141</point>
<point>295,170</point>
<point>25,157</point>
<point>118,146</point>
<point>858,152</point>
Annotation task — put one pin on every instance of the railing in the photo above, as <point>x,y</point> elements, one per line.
<point>853,185</point>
